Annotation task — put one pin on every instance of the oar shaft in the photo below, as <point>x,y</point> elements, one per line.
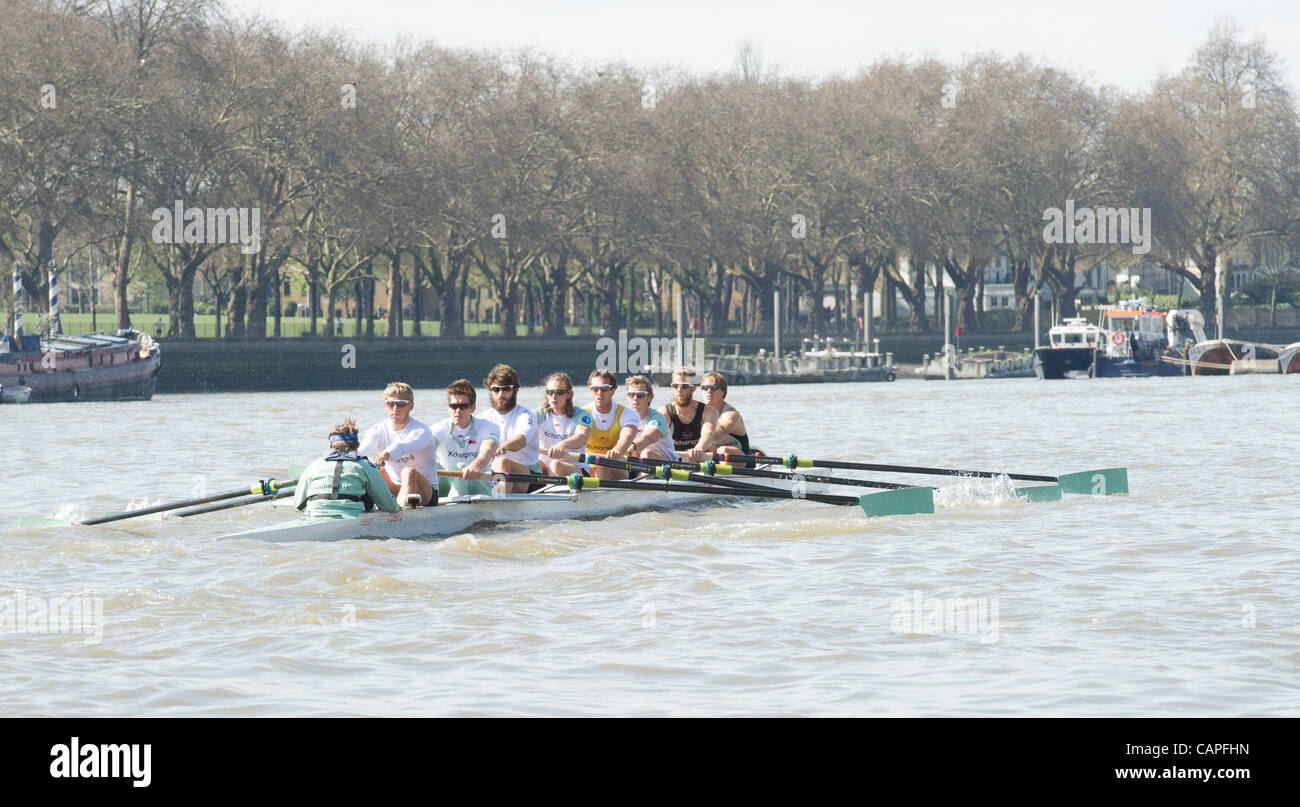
<point>194,511</point>
<point>268,485</point>
<point>729,469</point>
<point>801,462</point>
<point>588,483</point>
<point>646,467</point>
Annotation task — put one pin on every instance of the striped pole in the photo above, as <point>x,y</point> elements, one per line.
<point>55,328</point>
<point>18,300</point>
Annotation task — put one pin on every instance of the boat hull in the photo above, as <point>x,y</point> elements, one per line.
<point>457,515</point>
<point>85,368</point>
<point>1288,362</point>
<point>1232,357</point>
<point>1057,363</point>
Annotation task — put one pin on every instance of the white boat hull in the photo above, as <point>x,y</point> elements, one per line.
<point>458,515</point>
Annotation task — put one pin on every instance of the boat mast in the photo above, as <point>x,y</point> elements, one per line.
<point>18,305</point>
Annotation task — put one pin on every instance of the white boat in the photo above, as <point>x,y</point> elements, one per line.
<point>553,503</point>
<point>14,394</point>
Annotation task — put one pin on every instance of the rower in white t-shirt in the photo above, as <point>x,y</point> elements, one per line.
<point>404,447</point>
<point>561,428</point>
<point>465,442</point>
<point>517,453</point>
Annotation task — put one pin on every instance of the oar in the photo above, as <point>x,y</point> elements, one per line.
<point>265,487</point>
<point>664,471</point>
<point>194,511</point>
<point>1105,481</point>
<point>710,467</point>
<point>887,503</point>
<point>1033,493</point>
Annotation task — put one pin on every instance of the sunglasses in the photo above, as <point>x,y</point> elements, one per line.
<point>681,385</point>
<point>556,392</point>
<point>710,387</point>
<point>459,406</point>
<point>601,387</point>
<point>637,393</point>
<point>499,390</point>
<point>399,403</point>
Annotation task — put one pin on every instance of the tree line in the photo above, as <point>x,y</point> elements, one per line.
<point>541,178</point>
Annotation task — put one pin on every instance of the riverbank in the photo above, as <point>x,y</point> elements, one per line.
<point>210,365</point>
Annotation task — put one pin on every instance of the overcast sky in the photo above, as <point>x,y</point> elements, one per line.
<point>1126,43</point>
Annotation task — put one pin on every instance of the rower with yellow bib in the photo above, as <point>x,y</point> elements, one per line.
<point>614,426</point>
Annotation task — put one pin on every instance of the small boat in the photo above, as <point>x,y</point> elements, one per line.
<point>89,367</point>
<point>1131,340</point>
<point>1288,362</point>
<point>15,394</point>
<point>1233,357</point>
<point>552,503</point>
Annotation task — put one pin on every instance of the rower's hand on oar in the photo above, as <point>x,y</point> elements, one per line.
<point>380,459</point>
<point>556,452</point>
<point>694,454</point>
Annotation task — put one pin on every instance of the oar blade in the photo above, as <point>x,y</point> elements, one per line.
<point>901,502</point>
<point>1102,482</point>
<point>1039,493</point>
<point>41,522</point>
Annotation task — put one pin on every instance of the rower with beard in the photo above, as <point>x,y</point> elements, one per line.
<point>465,442</point>
<point>404,447</point>
<point>517,452</point>
<point>693,423</point>
<point>342,484</point>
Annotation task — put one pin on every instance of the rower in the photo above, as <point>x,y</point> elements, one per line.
<point>343,484</point>
<point>730,436</point>
<point>562,428</point>
<point>654,437</point>
<point>465,442</point>
<point>693,423</point>
<point>404,447</point>
<point>613,425</point>
<point>517,453</point>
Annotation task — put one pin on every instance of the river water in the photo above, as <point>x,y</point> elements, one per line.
<point>1182,598</point>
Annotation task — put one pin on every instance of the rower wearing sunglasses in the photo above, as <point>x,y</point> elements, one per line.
<point>613,425</point>
<point>693,422</point>
<point>465,442</point>
<point>517,453</point>
<point>404,448</point>
<point>731,436</point>
<point>654,437</point>
<point>562,428</point>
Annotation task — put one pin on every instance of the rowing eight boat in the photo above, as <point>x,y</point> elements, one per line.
<point>552,503</point>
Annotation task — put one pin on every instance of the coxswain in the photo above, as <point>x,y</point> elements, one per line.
<point>518,450</point>
<point>730,437</point>
<point>561,427</point>
<point>654,437</point>
<point>613,425</point>
<point>343,484</point>
<point>465,442</point>
<point>404,448</point>
<point>693,422</point>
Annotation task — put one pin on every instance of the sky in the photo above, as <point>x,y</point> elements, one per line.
<point>1124,43</point>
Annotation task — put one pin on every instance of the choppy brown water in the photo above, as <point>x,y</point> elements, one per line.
<point>1181,598</point>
